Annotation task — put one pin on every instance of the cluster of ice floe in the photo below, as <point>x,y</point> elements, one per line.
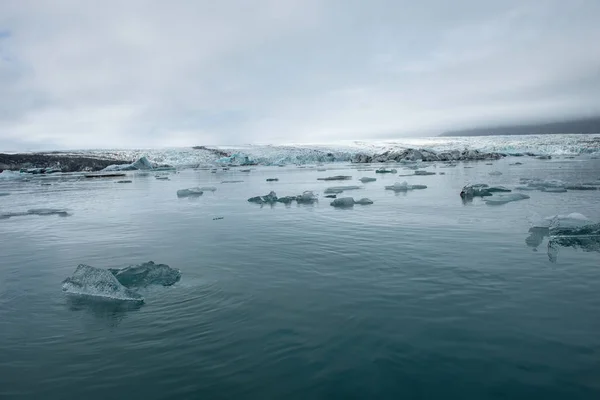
<point>118,284</point>
<point>307,197</point>
<point>345,202</point>
<point>554,185</point>
<point>36,211</point>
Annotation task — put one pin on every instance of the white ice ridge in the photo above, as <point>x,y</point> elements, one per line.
<point>554,145</point>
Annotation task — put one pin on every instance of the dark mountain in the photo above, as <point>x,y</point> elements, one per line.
<point>587,125</point>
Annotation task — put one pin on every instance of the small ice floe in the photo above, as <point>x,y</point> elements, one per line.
<point>345,202</point>
<point>162,178</point>
<point>385,171</point>
<point>124,181</point>
<point>208,189</point>
<point>367,179</point>
<point>404,186</point>
<point>272,179</point>
<point>495,173</point>
<point>505,198</point>
<point>340,189</point>
<point>581,187</point>
<point>553,189</point>
<point>36,211</point>
<point>191,192</point>
<point>306,197</point>
<point>232,182</point>
<point>336,178</point>
<point>424,173</point>
<point>266,199</point>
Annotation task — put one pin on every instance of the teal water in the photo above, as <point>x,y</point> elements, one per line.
<point>416,296</point>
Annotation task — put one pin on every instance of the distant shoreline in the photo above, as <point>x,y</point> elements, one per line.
<point>577,126</point>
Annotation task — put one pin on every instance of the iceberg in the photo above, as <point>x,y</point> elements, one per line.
<point>581,187</point>
<point>146,274</point>
<point>541,227</point>
<point>36,211</point>
<point>97,282</point>
<point>124,181</point>
<point>367,179</point>
<point>272,179</point>
<point>385,171</point>
<point>141,164</point>
<point>232,182</point>
<point>505,198</point>
<point>495,173</point>
<point>208,189</point>
<point>192,192</point>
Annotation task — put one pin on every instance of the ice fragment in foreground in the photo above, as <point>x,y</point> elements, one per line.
<point>343,202</point>
<point>146,274</point>
<point>96,282</point>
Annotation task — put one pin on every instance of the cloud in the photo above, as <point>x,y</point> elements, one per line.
<point>150,73</point>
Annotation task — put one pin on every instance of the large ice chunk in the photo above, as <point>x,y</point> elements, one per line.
<point>146,274</point>
<point>97,282</point>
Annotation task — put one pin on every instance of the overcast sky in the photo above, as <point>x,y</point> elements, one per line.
<point>139,73</point>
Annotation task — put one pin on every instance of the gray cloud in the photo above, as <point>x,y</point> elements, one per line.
<point>149,73</point>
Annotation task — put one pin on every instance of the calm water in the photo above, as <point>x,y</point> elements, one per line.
<point>416,296</point>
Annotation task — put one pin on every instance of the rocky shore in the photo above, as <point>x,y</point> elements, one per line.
<point>43,163</point>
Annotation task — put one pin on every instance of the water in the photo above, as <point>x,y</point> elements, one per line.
<point>416,296</point>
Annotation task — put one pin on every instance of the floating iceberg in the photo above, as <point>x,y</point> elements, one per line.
<point>586,238</point>
<point>36,211</point>
<point>495,173</point>
<point>367,179</point>
<point>96,282</point>
<point>141,164</point>
<point>340,189</point>
<point>124,181</point>
<point>424,173</point>
<point>146,274</point>
<point>541,227</point>
<point>307,197</point>
<point>581,187</point>
<point>404,186</point>
<point>343,202</point>
<point>192,192</point>
<point>364,201</point>
<point>266,199</point>
<point>208,189</point>
<point>336,178</point>
<point>505,198</point>
<point>481,190</point>
<point>232,181</point>
<point>554,189</point>
<point>385,171</point>
<point>272,179</point>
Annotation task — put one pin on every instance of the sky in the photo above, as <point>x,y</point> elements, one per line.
<point>143,73</point>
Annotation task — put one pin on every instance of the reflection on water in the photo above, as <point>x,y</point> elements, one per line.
<point>112,311</point>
